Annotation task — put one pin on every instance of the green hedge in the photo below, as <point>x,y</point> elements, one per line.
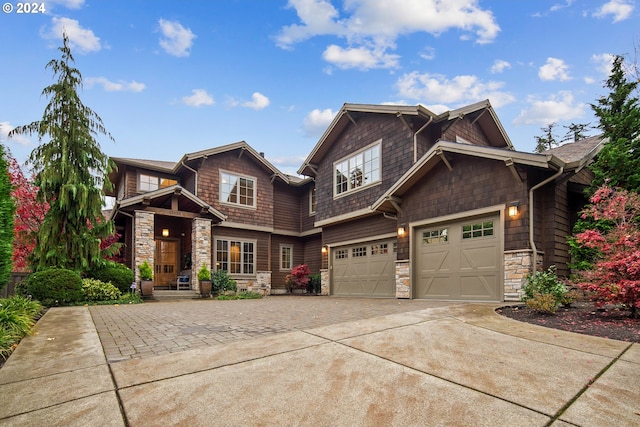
<point>119,275</point>
<point>55,286</point>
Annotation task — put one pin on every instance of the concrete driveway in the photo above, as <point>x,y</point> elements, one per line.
<point>313,361</point>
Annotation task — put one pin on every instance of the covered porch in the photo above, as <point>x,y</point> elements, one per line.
<point>170,228</point>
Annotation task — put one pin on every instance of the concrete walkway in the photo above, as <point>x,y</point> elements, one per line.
<point>458,364</point>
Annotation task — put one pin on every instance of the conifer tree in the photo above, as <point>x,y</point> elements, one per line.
<point>7,210</point>
<point>71,172</point>
<point>618,163</point>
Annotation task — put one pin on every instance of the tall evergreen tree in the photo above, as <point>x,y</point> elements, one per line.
<point>547,140</point>
<point>577,131</point>
<point>71,172</point>
<point>7,211</point>
<point>619,114</point>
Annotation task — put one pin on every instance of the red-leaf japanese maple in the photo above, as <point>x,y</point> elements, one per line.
<point>616,275</point>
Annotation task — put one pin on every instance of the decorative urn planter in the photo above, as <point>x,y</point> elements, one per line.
<point>146,279</point>
<point>204,277</point>
<point>205,288</point>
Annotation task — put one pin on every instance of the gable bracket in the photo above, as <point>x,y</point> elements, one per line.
<point>404,121</point>
<point>451,122</point>
<point>313,167</point>
<point>346,113</point>
<point>273,178</point>
<point>480,115</point>
<point>512,167</point>
<point>242,150</point>
<point>444,159</point>
<point>395,202</point>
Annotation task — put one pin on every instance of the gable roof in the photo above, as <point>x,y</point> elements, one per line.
<point>489,122</point>
<point>159,198</point>
<point>241,145</point>
<point>387,202</point>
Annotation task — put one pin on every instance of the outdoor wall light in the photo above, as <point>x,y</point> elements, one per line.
<point>513,209</point>
<point>325,249</point>
<point>165,232</point>
<point>402,230</point>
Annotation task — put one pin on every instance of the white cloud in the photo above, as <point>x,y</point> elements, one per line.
<point>69,4</point>
<point>559,107</point>
<point>556,7</point>
<point>5,128</point>
<point>359,57</point>
<point>176,40</point>
<point>428,53</point>
<point>198,98</point>
<point>499,66</point>
<point>437,89</point>
<point>372,26</point>
<point>119,86</point>
<point>81,40</point>
<point>604,62</point>
<point>258,101</point>
<point>317,121</point>
<point>554,69</point>
<point>620,9</point>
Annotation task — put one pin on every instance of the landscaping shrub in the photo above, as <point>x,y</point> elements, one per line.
<point>17,316</point>
<point>544,288</point>
<point>97,290</point>
<point>118,274</point>
<point>222,282</point>
<point>55,286</point>
<point>315,284</point>
<point>542,303</point>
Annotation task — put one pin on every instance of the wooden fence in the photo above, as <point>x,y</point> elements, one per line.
<point>14,279</point>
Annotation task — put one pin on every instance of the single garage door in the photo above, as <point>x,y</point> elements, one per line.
<point>460,260</point>
<point>366,269</point>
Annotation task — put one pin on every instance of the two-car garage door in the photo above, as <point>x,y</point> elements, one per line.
<point>459,260</point>
<point>364,270</point>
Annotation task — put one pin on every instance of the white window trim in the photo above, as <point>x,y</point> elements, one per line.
<point>312,211</point>
<point>337,195</point>
<point>282,246</point>
<point>238,205</point>
<point>241,240</point>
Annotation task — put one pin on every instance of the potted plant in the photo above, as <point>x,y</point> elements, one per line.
<point>204,277</point>
<point>146,279</point>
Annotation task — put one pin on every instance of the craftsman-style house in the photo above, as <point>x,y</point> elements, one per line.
<point>396,201</point>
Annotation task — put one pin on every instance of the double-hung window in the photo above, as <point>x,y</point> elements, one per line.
<point>237,189</point>
<point>235,256</point>
<point>286,257</point>
<point>358,170</point>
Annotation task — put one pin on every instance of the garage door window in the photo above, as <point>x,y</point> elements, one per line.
<point>435,236</point>
<point>478,229</point>
<point>342,254</point>
<point>381,249</point>
<point>359,252</point>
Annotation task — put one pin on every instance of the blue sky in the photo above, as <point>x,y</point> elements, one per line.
<point>172,77</point>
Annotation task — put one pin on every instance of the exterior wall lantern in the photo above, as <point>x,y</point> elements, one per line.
<point>325,249</point>
<point>402,230</point>
<point>165,232</point>
<point>513,209</point>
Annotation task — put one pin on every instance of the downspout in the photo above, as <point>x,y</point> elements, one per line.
<point>415,139</point>
<point>195,187</point>
<point>531,239</point>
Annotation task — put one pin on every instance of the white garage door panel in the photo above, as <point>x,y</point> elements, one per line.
<point>460,260</point>
<point>366,269</point>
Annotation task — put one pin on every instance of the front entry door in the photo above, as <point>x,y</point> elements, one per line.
<point>166,268</point>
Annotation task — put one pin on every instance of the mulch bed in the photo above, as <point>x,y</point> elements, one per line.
<point>583,318</point>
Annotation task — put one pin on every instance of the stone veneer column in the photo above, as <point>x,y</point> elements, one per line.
<point>201,248</point>
<point>324,281</point>
<point>517,266</point>
<point>143,241</point>
<point>403,279</point>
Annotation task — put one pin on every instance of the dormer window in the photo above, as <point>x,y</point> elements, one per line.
<point>358,170</point>
<point>148,183</point>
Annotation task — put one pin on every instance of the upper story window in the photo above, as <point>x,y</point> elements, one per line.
<point>237,190</point>
<point>312,201</point>
<point>152,182</point>
<point>358,170</point>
